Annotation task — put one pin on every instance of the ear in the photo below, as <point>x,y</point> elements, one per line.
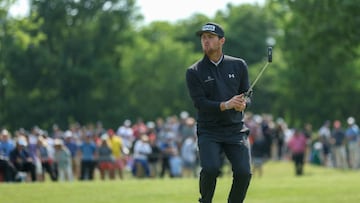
<point>222,40</point>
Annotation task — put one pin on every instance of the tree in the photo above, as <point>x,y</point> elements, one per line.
<point>18,36</point>
<point>73,73</point>
<point>248,29</point>
<point>155,70</point>
<point>321,46</point>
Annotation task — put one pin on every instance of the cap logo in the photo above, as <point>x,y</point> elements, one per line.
<point>208,28</point>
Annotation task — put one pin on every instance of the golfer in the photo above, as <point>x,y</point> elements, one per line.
<point>216,85</point>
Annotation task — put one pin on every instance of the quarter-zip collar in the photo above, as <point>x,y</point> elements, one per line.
<point>217,62</point>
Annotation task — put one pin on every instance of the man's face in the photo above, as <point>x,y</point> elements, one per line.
<point>211,43</point>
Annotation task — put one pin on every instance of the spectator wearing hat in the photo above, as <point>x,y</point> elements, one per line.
<point>63,160</point>
<point>142,149</point>
<point>353,139</point>
<point>47,164</point>
<point>7,169</point>
<point>22,160</point>
<point>72,146</point>
<point>126,133</point>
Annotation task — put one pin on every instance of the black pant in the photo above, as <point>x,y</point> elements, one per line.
<point>236,148</point>
<point>87,169</point>
<point>28,167</point>
<point>299,163</point>
<point>49,168</point>
<point>165,166</point>
<point>8,170</point>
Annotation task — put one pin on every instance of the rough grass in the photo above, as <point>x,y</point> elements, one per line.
<point>277,185</point>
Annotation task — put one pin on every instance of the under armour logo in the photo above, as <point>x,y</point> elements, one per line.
<point>231,75</point>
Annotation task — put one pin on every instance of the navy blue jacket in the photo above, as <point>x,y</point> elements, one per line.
<point>209,85</point>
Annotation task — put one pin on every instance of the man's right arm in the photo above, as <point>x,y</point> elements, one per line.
<point>197,93</point>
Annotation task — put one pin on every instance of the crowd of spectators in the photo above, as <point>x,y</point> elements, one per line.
<point>333,145</point>
<point>165,147</point>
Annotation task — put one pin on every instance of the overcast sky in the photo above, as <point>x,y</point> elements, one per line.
<point>168,10</point>
<point>172,10</point>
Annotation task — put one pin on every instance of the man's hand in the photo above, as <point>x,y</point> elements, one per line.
<point>240,102</point>
<point>237,102</point>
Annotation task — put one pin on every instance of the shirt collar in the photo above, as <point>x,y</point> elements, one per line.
<point>217,62</point>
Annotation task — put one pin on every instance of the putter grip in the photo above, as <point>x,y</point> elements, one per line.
<point>269,54</point>
<point>249,93</point>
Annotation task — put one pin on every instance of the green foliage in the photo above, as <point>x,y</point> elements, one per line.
<point>247,30</point>
<point>319,44</point>
<point>154,67</point>
<point>91,60</point>
<point>75,67</point>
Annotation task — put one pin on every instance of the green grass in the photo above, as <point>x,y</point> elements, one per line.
<point>278,185</point>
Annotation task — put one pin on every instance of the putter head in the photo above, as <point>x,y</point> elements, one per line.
<point>269,54</point>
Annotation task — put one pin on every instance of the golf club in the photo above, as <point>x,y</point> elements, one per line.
<point>250,90</point>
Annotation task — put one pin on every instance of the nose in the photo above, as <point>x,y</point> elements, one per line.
<point>205,40</point>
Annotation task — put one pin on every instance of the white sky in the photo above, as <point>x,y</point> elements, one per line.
<point>173,10</point>
<point>166,10</point>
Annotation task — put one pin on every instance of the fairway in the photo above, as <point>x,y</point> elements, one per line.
<point>278,185</point>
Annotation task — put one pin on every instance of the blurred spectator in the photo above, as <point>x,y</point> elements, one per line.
<point>116,146</point>
<point>105,159</point>
<point>56,132</point>
<point>188,129</point>
<point>308,133</point>
<point>6,144</point>
<point>139,128</point>
<point>317,155</point>
<point>142,149</point>
<point>353,138</point>
<point>126,133</point>
<point>7,169</point>
<point>63,161</point>
<point>325,137</point>
<point>259,154</point>
<point>279,136</point>
<point>168,150</point>
<point>87,153</point>
<point>47,164</point>
<point>21,159</point>
<point>189,157</point>
<point>155,154</point>
<point>71,145</point>
<point>339,145</point>
<point>297,147</point>
<point>99,129</point>
<point>267,133</point>
<point>175,165</point>
<point>32,139</point>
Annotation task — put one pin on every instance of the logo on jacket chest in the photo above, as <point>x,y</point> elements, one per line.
<point>209,78</point>
<point>229,75</point>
